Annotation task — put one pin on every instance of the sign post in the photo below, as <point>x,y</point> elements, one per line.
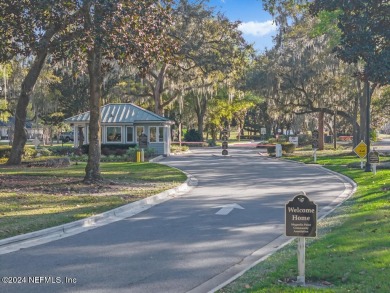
<point>143,143</point>
<point>373,159</point>
<point>224,143</point>
<point>36,142</point>
<point>361,151</point>
<point>294,140</point>
<point>314,143</point>
<point>301,222</point>
<point>263,132</point>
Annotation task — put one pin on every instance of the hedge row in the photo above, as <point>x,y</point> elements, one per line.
<point>111,149</point>
<point>31,152</point>
<point>287,148</point>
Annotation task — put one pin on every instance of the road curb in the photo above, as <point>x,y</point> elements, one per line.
<point>18,242</point>
<point>282,240</point>
<point>349,190</point>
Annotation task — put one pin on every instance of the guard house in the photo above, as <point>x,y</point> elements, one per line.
<point>124,124</point>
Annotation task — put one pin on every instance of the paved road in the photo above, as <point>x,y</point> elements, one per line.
<point>183,244</point>
<point>382,145</point>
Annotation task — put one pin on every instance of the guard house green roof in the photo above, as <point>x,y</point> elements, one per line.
<point>121,113</point>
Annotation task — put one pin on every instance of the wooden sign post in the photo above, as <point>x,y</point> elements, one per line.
<point>314,143</point>
<point>373,159</point>
<point>301,222</point>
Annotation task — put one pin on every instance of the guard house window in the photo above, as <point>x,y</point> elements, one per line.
<point>153,134</point>
<point>129,134</point>
<point>113,134</point>
<point>161,134</point>
<point>156,134</point>
<point>140,130</point>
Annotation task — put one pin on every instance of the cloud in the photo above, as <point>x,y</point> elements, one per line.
<point>257,29</point>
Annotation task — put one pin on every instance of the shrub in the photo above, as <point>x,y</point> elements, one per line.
<point>373,135</point>
<point>132,153</point>
<point>110,148</point>
<point>304,139</point>
<point>79,158</point>
<point>77,152</point>
<point>106,151</point>
<point>288,147</point>
<point>175,148</point>
<point>192,135</point>
<point>120,152</point>
<point>29,153</point>
<point>271,149</point>
<point>255,137</point>
<point>62,150</point>
<point>44,152</point>
<point>282,138</point>
<point>211,143</point>
<point>5,151</point>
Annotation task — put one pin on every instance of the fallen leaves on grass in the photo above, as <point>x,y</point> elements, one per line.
<point>46,185</point>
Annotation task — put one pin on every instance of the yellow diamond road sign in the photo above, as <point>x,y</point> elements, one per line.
<point>361,149</point>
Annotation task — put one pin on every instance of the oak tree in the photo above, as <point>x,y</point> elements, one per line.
<point>30,29</point>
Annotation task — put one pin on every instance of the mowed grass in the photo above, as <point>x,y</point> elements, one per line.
<point>37,198</point>
<point>352,252</point>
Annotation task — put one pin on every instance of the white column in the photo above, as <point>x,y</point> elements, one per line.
<point>167,140</point>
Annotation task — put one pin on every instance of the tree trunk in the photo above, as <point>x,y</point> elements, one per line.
<point>335,130</point>
<point>363,107</point>
<point>92,170</point>
<point>321,130</point>
<point>200,109</point>
<point>239,130</point>
<point>20,136</point>
<point>200,124</point>
<point>157,91</point>
<point>356,130</point>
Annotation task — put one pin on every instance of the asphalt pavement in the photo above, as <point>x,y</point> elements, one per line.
<point>382,145</point>
<point>191,243</point>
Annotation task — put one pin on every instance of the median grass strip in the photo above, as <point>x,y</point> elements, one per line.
<point>37,198</point>
<point>352,252</point>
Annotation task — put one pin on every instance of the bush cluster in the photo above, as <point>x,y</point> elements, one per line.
<point>5,151</point>
<point>175,148</point>
<point>131,153</point>
<point>32,153</point>
<point>287,148</point>
<point>63,150</point>
<point>304,139</point>
<point>192,135</point>
<point>281,138</point>
<point>109,149</point>
<point>109,154</point>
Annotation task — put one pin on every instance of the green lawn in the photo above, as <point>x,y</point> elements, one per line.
<point>352,252</point>
<point>37,198</point>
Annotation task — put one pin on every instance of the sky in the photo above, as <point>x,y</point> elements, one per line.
<point>257,25</point>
